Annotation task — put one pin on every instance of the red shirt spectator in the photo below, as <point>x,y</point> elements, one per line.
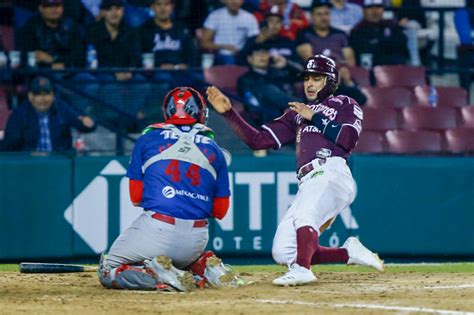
<point>294,18</point>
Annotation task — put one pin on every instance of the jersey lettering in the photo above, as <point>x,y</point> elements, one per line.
<point>172,170</point>
<point>311,128</point>
<point>169,134</point>
<point>357,126</point>
<point>329,112</point>
<point>358,112</point>
<point>192,173</point>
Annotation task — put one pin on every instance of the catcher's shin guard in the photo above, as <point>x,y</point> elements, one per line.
<point>214,272</point>
<point>129,277</point>
<point>166,273</point>
<point>219,275</point>
<point>199,266</point>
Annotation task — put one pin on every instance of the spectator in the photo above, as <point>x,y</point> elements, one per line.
<point>420,37</point>
<point>464,21</point>
<point>174,51</point>
<point>74,9</point>
<point>117,44</point>
<point>172,45</point>
<point>55,40</point>
<point>377,41</point>
<point>226,30</point>
<point>277,44</point>
<point>43,123</point>
<point>294,18</point>
<point>345,15</point>
<point>261,86</point>
<point>321,38</point>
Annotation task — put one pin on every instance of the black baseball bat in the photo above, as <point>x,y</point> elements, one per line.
<point>28,267</point>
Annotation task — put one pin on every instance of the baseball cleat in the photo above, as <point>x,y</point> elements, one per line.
<point>218,275</point>
<point>296,275</point>
<point>168,274</point>
<point>360,255</point>
<point>163,287</point>
<point>103,268</point>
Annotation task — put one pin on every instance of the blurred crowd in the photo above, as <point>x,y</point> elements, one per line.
<point>182,37</point>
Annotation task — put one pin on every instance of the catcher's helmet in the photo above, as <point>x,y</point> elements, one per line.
<point>321,64</point>
<point>184,106</point>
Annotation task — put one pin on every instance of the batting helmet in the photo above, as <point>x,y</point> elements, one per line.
<point>321,64</point>
<point>184,106</point>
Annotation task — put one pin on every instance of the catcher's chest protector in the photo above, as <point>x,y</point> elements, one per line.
<point>183,150</point>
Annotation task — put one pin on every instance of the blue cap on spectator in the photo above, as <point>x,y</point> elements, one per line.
<point>51,2</point>
<point>373,3</point>
<point>41,85</point>
<point>107,4</point>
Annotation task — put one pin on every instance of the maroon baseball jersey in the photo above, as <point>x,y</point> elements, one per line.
<point>310,142</point>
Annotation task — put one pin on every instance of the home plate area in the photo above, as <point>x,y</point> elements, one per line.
<point>406,290</point>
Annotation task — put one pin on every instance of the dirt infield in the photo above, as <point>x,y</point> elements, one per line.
<point>334,293</point>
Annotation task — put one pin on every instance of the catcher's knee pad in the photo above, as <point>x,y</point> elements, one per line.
<point>129,277</point>
<point>199,266</point>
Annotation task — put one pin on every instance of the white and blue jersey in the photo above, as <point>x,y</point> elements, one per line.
<point>172,185</point>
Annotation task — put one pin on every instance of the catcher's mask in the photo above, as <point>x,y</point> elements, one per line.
<point>184,106</point>
<point>320,64</point>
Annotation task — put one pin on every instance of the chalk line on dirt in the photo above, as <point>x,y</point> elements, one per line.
<point>457,286</point>
<point>371,306</point>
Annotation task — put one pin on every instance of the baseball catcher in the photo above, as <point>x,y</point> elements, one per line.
<point>325,130</point>
<point>178,175</point>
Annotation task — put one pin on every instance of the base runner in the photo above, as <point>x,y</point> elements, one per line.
<point>325,130</point>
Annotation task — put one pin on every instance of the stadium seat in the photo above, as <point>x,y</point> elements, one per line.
<point>403,76</point>
<point>380,119</point>
<point>437,118</point>
<point>370,142</point>
<point>7,37</point>
<point>225,76</point>
<point>404,141</point>
<point>447,96</point>
<point>459,140</point>
<point>360,75</point>
<point>388,96</point>
<point>467,113</point>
